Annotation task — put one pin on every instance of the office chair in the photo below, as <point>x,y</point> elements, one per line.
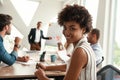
<point>108,72</point>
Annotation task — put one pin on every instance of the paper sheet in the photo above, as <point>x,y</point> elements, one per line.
<point>27,63</point>
<point>63,55</point>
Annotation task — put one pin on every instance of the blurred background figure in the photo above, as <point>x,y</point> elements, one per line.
<point>69,48</point>
<point>35,36</point>
<point>5,29</point>
<point>93,39</point>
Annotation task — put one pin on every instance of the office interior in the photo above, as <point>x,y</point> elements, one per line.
<point>26,14</point>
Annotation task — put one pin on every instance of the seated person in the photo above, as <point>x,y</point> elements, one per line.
<point>69,48</point>
<point>60,46</point>
<point>93,37</point>
<point>5,29</point>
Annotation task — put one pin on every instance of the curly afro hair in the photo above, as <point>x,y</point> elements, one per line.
<point>76,13</point>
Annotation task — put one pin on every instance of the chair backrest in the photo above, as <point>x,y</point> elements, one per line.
<point>108,72</point>
<point>100,62</point>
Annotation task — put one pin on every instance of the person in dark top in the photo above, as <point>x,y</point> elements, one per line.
<point>35,36</point>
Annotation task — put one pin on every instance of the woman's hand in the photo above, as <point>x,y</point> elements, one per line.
<point>39,65</point>
<point>40,74</point>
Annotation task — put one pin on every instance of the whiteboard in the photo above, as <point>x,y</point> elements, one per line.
<point>54,31</point>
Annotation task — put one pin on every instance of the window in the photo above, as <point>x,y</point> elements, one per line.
<point>92,9</point>
<point>26,9</point>
<point>116,52</point>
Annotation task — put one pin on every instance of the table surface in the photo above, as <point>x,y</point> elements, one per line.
<point>26,70</point>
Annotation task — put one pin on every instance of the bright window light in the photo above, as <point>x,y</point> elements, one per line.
<point>93,11</point>
<point>26,9</point>
<point>117,38</point>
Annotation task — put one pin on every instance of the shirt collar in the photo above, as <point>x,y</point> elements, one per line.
<point>1,39</point>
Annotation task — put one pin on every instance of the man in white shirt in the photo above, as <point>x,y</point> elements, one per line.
<point>35,37</point>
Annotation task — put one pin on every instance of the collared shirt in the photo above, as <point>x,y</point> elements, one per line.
<point>37,35</point>
<point>8,58</point>
<point>98,52</point>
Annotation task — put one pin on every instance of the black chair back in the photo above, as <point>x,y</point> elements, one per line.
<point>108,72</point>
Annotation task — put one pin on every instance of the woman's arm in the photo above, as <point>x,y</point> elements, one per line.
<point>56,68</point>
<point>78,62</point>
<point>51,68</point>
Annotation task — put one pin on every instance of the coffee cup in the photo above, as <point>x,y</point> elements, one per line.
<point>53,58</point>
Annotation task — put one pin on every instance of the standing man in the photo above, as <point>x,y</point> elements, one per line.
<point>5,29</point>
<point>35,37</point>
<point>93,38</point>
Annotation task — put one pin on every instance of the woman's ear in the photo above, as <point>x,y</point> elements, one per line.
<point>84,30</point>
<point>6,27</point>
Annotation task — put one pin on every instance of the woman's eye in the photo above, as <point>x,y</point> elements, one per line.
<point>72,29</point>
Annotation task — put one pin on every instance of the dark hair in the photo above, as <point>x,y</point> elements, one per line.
<point>76,13</point>
<point>96,32</point>
<point>4,20</point>
<point>39,22</point>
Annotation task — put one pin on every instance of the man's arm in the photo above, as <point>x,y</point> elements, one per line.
<point>29,36</point>
<point>23,58</point>
<point>42,36</point>
<point>7,58</point>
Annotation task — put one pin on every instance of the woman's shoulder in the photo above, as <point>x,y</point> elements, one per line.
<point>80,52</point>
<point>80,55</point>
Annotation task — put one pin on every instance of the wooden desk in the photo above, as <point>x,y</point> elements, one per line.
<point>24,71</point>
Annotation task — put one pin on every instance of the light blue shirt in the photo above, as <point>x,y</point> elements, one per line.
<point>98,52</point>
<point>8,58</point>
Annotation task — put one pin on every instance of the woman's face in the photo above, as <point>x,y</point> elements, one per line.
<point>72,32</point>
